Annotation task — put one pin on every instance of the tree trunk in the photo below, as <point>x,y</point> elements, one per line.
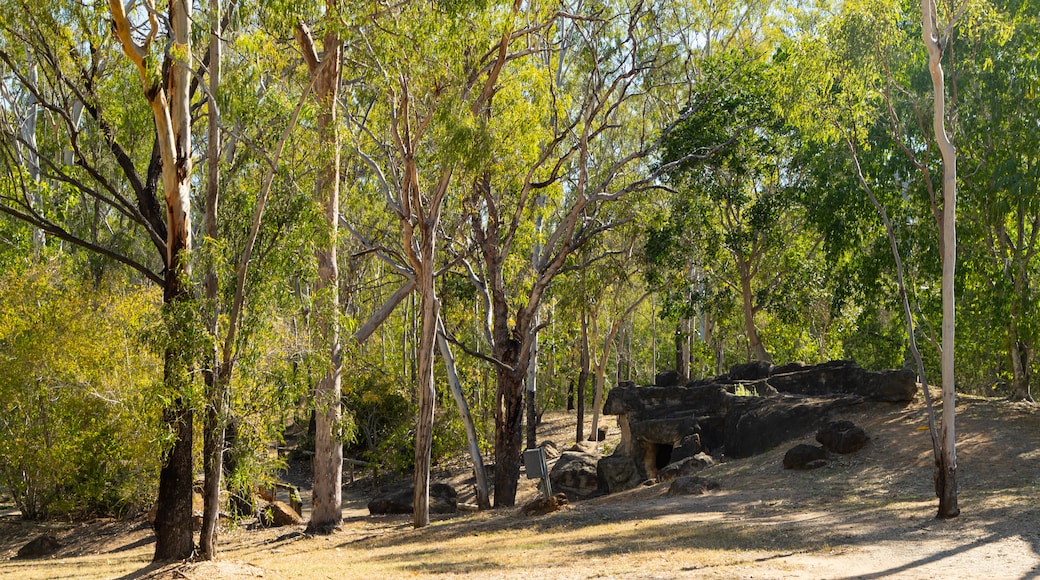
<point>429,309</point>
<point>530,391</point>
<point>508,434</point>
<point>757,349</point>
<point>213,430</point>
<point>169,103</point>
<point>946,479</point>
<point>1020,355</point>
<point>682,348</point>
<point>583,375</point>
<point>479,474</point>
<point>326,504</point>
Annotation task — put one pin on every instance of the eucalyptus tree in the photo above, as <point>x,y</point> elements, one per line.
<point>595,99</point>
<point>426,86</point>
<point>80,70</point>
<point>737,195</point>
<point>324,69</point>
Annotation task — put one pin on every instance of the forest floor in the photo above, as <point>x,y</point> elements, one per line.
<point>866,515</point>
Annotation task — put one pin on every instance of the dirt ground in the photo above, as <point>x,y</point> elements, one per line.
<point>866,515</point>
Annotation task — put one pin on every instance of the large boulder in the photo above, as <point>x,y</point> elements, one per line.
<point>751,371</point>
<point>688,446</point>
<point>443,500</point>
<point>846,377</point>
<point>617,473</point>
<point>842,436</point>
<point>805,456</point>
<point>668,379</point>
<point>575,475</point>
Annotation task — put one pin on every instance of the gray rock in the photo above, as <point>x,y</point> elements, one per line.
<point>617,474</point>
<point>842,437</point>
<point>685,467</point>
<point>805,456</point>
<point>40,547</point>
<point>443,500</point>
<point>575,475</point>
<point>692,485</point>
<point>277,514</point>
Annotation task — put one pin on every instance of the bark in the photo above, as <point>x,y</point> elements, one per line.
<point>1020,355</point>
<point>583,376</point>
<point>429,309</point>
<point>757,349</point>
<point>946,478</point>
<point>170,109</point>
<point>213,434</point>
<point>327,495</point>
<point>531,390</point>
<point>682,348</point>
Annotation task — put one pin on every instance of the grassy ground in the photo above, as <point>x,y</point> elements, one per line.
<point>866,515</point>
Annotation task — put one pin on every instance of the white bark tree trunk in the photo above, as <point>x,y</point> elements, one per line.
<point>946,470</point>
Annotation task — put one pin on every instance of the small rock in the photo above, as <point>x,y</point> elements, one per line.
<point>277,514</point>
<point>42,546</point>
<point>692,485</point>
<point>805,456</point>
<point>584,447</point>
<point>842,437</point>
<point>443,500</point>
<point>551,451</point>
<point>545,505</point>
<point>685,467</point>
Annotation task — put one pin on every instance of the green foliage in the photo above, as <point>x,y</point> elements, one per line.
<point>78,422</point>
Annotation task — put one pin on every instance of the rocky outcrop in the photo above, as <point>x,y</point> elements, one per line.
<point>667,423</point>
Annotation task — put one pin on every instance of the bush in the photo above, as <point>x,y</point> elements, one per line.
<point>78,427</point>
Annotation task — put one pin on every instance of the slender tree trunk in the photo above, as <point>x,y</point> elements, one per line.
<point>429,315</point>
<point>530,391</point>
<point>946,469</point>
<point>326,502</point>
<point>758,350</point>
<point>583,375</point>
<point>213,431</point>
<point>479,474</point>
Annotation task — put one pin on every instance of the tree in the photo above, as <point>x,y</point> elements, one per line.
<point>935,39</point>
<point>169,101</point>
<point>737,193</point>
<point>326,511</point>
<point>432,133</point>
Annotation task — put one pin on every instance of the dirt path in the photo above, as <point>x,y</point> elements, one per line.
<point>867,515</point>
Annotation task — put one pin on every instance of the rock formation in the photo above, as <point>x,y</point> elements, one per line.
<point>661,425</point>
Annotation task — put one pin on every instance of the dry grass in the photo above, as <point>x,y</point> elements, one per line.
<point>870,514</point>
